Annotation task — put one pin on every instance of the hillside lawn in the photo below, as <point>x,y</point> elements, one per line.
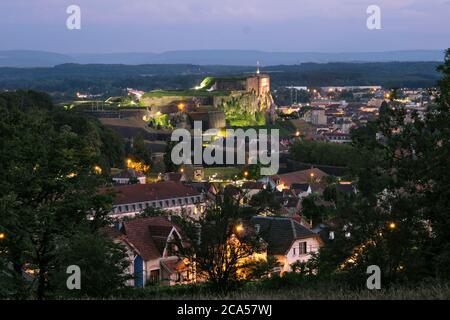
<point>424,291</point>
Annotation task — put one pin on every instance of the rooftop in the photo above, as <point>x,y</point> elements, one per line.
<point>280,233</point>
<point>153,191</point>
<point>149,235</point>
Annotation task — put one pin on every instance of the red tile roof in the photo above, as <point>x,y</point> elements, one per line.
<point>253,185</point>
<point>303,176</point>
<point>137,193</point>
<point>148,235</point>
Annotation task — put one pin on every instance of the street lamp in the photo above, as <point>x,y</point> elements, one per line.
<point>98,169</point>
<point>2,236</point>
<point>239,228</point>
<point>392,226</point>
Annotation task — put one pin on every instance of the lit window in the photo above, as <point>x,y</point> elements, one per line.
<point>303,248</point>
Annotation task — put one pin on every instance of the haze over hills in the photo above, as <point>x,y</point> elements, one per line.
<point>26,58</point>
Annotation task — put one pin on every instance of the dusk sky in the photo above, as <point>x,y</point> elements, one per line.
<point>270,25</point>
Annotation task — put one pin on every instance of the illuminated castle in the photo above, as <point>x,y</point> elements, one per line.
<point>257,83</point>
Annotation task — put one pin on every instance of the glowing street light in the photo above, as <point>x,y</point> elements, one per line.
<point>246,174</point>
<point>240,228</point>
<point>2,236</point>
<point>98,170</point>
<point>297,134</point>
<point>181,106</point>
<point>392,226</point>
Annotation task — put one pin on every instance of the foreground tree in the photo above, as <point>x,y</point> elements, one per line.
<point>48,193</point>
<point>101,263</point>
<point>218,243</point>
<point>401,216</point>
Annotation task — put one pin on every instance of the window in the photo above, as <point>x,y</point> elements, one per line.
<point>154,276</point>
<point>303,248</point>
<point>258,228</point>
<point>294,252</point>
<point>331,235</point>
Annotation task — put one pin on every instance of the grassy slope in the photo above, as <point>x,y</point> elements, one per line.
<point>419,292</point>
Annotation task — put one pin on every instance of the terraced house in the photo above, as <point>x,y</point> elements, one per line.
<point>168,196</point>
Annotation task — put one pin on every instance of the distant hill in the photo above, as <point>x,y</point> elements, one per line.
<point>23,58</point>
<point>28,59</point>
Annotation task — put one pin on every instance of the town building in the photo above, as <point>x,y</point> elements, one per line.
<point>128,175</point>
<point>316,117</point>
<point>286,180</point>
<point>287,240</point>
<point>169,196</point>
<point>151,247</point>
<point>337,137</point>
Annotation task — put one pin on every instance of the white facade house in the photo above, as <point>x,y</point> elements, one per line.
<point>287,240</point>
<point>150,243</point>
<point>127,175</point>
<point>168,196</point>
<point>300,251</point>
<point>302,190</point>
